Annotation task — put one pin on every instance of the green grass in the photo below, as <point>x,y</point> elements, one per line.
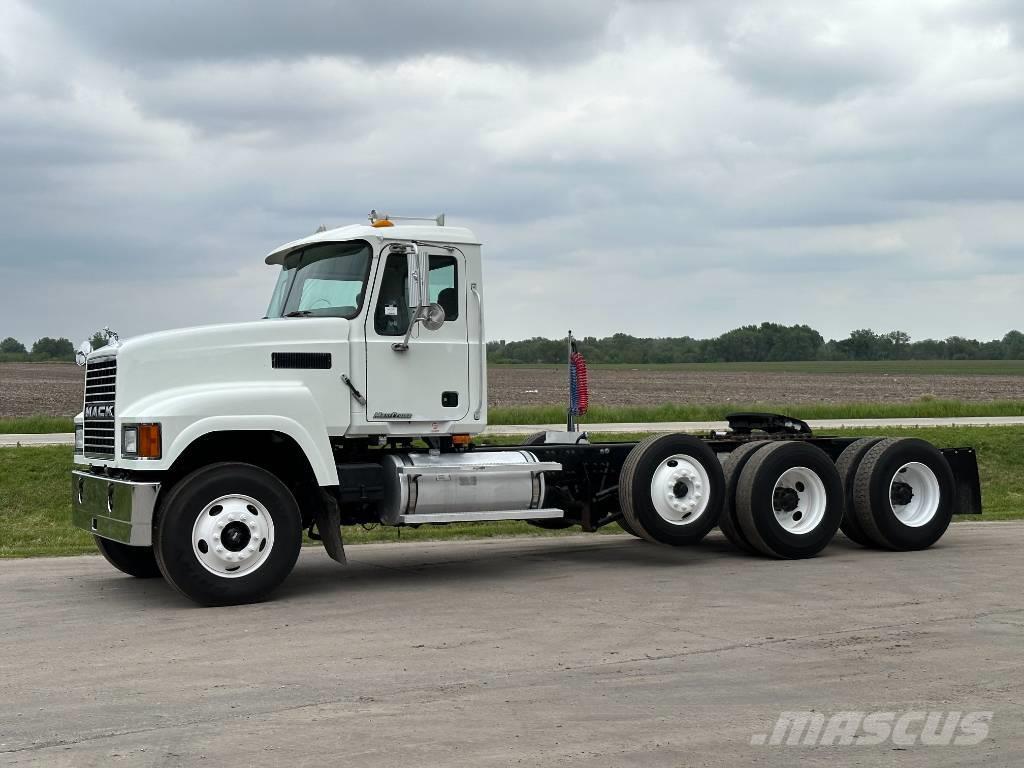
<point>34,425</point>
<point>849,367</point>
<point>35,490</point>
<point>598,414</point>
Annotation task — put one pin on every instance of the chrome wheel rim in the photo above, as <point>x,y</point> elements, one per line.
<point>680,489</point>
<point>233,536</point>
<point>799,500</point>
<point>914,494</point>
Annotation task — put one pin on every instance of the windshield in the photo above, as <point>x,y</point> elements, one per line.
<point>326,279</point>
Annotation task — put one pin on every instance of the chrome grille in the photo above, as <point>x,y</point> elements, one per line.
<point>100,388</point>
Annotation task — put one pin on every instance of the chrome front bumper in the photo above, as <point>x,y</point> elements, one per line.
<point>120,510</point>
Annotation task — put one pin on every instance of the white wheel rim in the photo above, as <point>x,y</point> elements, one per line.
<point>925,496</point>
<point>799,500</point>
<point>680,489</point>
<point>236,533</point>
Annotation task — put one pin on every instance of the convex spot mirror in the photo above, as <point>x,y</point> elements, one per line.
<point>84,350</point>
<point>433,317</point>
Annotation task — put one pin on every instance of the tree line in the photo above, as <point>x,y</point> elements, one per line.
<point>44,350</point>
<point>767,342</point>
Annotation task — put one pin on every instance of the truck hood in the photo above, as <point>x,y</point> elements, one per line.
<point>229,354</point>
<point>226,337</point>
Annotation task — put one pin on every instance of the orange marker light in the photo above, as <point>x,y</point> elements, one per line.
<point>460,439</point>
<point>382,223</point>
<point>149,441</point>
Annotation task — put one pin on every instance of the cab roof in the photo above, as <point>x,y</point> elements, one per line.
<point>400,232</point>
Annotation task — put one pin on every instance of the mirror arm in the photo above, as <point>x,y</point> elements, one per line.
<point>403,345</point>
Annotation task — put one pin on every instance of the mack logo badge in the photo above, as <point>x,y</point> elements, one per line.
<point>99,411</point>
<point>392,415</point>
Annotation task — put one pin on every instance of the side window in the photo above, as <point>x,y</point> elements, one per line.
<point>444,285</point>
<point>391,317</point>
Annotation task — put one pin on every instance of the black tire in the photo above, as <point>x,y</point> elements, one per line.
<point>728,523</point>
<point>139,562</point>
<point>635,496</point>
<point>624,525</point>
<point>178,513</point>
<point>537,438</point>
<point>755,500</point>
<point>873,503</point>
<point>846,465</point>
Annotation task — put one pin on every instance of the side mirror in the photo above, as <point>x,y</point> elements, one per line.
<point>84,350</point>
<point>419,274</point>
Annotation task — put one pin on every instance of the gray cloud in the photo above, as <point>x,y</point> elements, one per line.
<point>140,33</point>
<point>666,159</point>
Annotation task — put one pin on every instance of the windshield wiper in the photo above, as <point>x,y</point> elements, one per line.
<point>299,313</point>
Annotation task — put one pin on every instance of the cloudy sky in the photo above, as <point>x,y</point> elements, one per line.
<point>654,167</point>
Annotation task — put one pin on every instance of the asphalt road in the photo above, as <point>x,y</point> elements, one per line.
<point>68,438</point>
<point>586,650</point>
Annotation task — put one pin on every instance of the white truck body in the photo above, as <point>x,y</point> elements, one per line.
<point>204,453</point>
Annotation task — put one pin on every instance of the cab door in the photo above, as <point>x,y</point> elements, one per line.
<point>428,382</point>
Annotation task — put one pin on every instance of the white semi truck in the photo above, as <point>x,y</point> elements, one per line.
<point>203,454</point>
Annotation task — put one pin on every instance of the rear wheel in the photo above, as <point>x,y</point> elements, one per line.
<point>903,494</point>
<point>847,464</point>
<point>728,523</point>
<point>789,500</point>
<point>228,534</point>
<point>135,561</point>
<point>671,489</point>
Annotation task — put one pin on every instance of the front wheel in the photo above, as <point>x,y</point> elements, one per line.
<point>139,562</point>
<point>228,534</point>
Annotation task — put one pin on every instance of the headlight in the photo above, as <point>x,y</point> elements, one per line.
<point>130,441</point>
<point>79,438</point>
<point>141,441</point>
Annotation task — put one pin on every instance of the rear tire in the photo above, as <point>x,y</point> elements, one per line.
<point>139,562</point>
<point>228,534</point>
<point>790,500</point>
<point>847,463</point>
<point>671,489</point>
<point>904,494</point>
<point>728,523</point>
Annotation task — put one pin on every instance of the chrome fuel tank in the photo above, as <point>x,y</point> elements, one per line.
<point>460,484</point>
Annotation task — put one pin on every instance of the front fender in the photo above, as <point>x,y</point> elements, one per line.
<point>189,413</point>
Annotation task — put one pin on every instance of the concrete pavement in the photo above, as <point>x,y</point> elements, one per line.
<point>585,650</point>
<point>665,426</point>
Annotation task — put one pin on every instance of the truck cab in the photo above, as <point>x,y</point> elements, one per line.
<point>373,339</point>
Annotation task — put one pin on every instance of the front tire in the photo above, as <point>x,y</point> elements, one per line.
<point>228,534</point>
<point>671,489</point>
<point>139,562</point>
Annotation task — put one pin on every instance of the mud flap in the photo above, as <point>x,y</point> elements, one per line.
<point>328,525</point>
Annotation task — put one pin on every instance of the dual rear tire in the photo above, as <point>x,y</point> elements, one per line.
<point>895,494</point>
<point>671,490</point>
<point>781,499</point>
